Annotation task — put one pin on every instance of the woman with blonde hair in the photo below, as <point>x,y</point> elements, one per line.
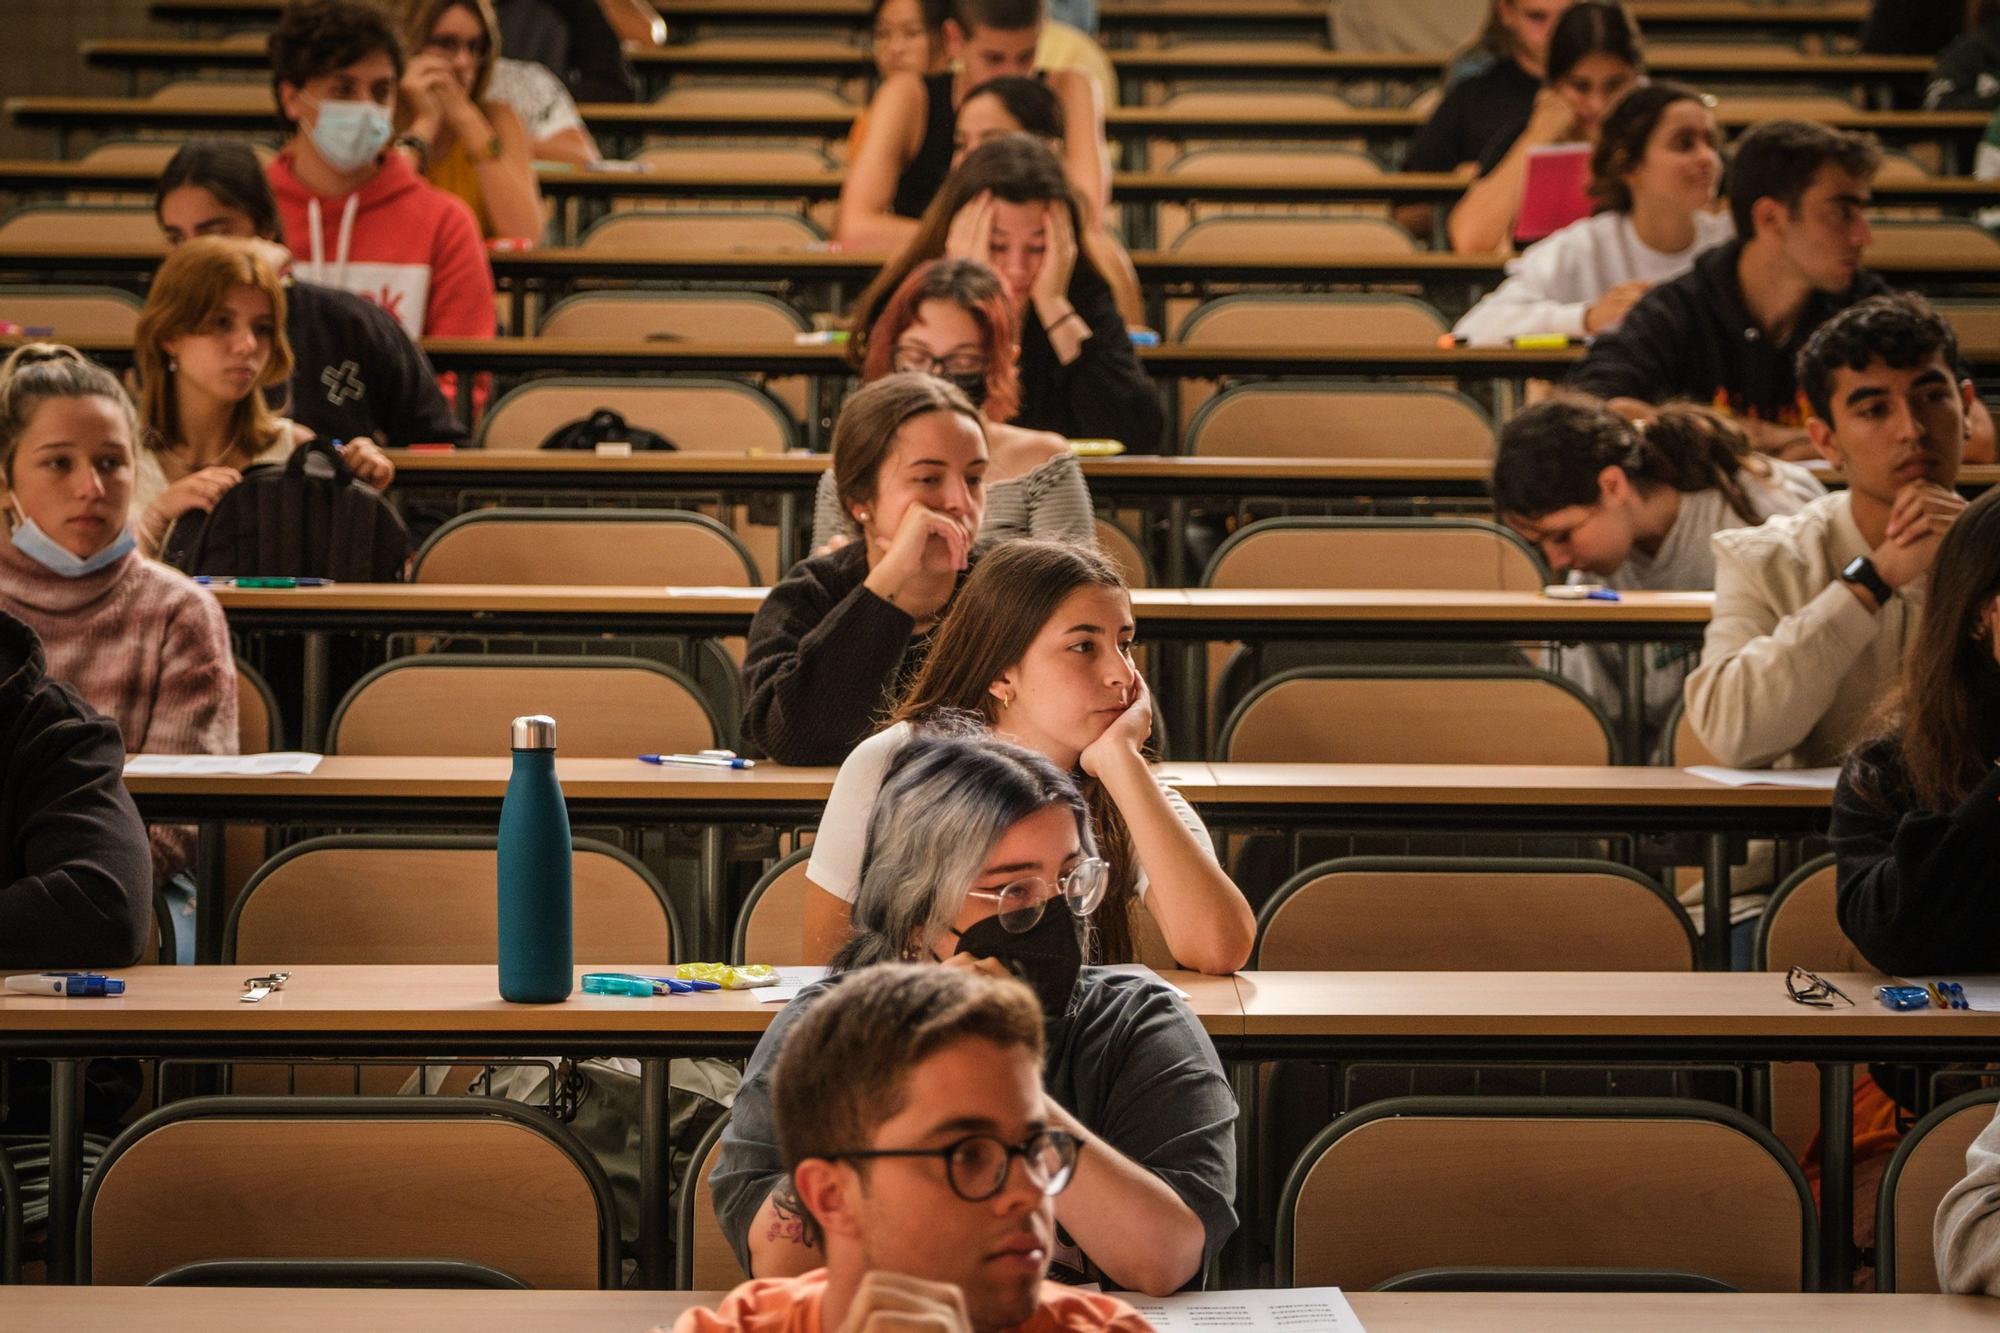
<point>463,140</point>
<point>210,344</point>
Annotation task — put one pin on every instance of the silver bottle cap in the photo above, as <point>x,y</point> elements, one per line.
<point>535,733</point>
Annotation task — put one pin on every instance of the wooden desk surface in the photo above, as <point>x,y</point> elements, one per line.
<point>290,1310</point>
<point>454,999</point>
<point>1587,1004</point>
<point>1488,785</point>
<point>1650,608</point>
<point>485,776</point>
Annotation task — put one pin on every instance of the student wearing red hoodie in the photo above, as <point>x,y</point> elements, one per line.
<point>360,218</point>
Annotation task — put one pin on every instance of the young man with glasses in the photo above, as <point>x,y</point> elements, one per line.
<point>926,1157</point>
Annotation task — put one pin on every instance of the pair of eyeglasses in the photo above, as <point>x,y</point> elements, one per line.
<point>1813,989</point>
<point>1019,904</point>
<point>977,1165</point>
<point>909,357</point>
<point>453,47</point>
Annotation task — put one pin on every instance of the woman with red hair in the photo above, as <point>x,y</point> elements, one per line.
<point>951,318</point>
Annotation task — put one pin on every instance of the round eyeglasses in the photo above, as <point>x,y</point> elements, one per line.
<point>976,1166</point>
<point>1019,904</point>
<point>907,356</point>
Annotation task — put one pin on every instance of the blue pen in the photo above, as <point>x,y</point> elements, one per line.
<point>1603,595</point>
<point>65,983</point>
<point>700,760</point>
<point>684,987</point>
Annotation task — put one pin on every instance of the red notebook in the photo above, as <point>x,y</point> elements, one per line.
<point>1556,192</point>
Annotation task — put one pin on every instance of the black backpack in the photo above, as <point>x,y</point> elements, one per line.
<point>304,518</point>
<point>604,426</point>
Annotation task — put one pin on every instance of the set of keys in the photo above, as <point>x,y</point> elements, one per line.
<point>256,988</point>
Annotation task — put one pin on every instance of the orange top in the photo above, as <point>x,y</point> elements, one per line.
<point>792,1304</point>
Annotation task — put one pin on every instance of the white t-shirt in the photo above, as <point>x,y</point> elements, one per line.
<point>1555,280</point>
<point>843,827</point>
<point>537,96</point>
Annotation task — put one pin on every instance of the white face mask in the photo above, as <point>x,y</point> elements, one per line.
<point>350,135</point>
<point>46,551</point>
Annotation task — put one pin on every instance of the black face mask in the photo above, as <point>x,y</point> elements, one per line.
<point>1048,957</point>
<point>972,386</point>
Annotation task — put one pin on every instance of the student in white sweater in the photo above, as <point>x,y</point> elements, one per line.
<point>1654,175</point>
<point>1635,507</point>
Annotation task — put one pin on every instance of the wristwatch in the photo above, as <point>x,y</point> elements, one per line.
<point>1861,570</point>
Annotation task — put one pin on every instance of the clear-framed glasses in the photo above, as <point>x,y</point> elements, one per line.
<point>976,1166</point>
<point>1813,989</point>
<point>452,47</point>
<point>909,356</point>
<point>1019,904</point>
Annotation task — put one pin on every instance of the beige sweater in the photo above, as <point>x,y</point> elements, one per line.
<point>1793,665</point>
<point>1966,1235</point>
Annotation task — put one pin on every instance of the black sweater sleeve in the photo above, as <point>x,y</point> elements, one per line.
<point>1641,357</point>
<point>79,875</point>
<point>1105,394</point>
<point>822,653</point>
<point>413,410</point>
<point>1917,889</point>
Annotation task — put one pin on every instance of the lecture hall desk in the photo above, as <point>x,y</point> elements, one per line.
<point>269,1310</point>
<point>1700,820</point>
<point>1595,1017</point>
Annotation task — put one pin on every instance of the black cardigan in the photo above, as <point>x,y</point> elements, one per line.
<point>1105,393</point>
<point>825,659</point>
<point>76,878</point>
<point>1918,889</point>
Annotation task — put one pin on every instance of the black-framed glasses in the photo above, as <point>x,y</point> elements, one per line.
<point>1019,904</point>
<point>977,1165</point>
<point>1813,989</point>
<point>908,356</point>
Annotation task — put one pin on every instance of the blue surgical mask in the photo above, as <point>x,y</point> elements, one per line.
<point>46,551</point>
<point>350,135</point>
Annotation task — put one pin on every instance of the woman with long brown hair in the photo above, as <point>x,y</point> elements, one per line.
<point>210,346</point>
<point>465,141</point>
<point>1916,816</point>
<point>1038,645</point>
<point>1009,206</point>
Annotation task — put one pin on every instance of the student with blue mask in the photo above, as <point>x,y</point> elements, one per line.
<point>138,641</point>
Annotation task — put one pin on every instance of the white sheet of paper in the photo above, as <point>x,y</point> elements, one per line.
<point>249,765</point>
<point>1980,992</point>
<point>791,980</point>
<point>1141,970</point>
<point>1805,779</point>
<point>1305,1310</point>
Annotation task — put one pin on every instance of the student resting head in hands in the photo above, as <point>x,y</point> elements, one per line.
<point>1038,649</point>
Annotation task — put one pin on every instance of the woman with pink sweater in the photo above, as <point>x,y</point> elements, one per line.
<point>140,642</point>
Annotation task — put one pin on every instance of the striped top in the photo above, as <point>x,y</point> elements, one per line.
<point>1052,501</point>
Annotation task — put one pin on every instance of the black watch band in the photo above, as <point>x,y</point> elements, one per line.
<point>1861,570</point>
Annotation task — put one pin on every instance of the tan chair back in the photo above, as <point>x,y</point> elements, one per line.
<point>1302,237</point>
<point>517,546</point>
<point>744,316</point>
<point>1932,242</point>
<point>1448,557</point>
<point>1306,421</point>
<point>475,1188</point>
<point>1306,164</point>
<point>440,705</point>
<point>1786,106</point>
<point>702,158</point>
<point>232,94</point>
<point>1260,101</point>
<point>74,314</point>
<point>1689,749</point>
<point>1973,321</point>
<point>1924,1174</point>
<point>330,904</point>
<point>723,99</point>
<point>1401,1193</point>
<point>1474,919</point>
<point>773,929</point>
<point>1309,321</point>
<point>1429,719</point>
<point>700,416</point>
<point>1117,546</point>
<point>710,1264</point>
<point>649,231</point>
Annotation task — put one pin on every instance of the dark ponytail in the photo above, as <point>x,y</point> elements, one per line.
<point>1550,455</point>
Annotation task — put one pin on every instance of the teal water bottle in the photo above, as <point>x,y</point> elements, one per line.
<point>535,954</point>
